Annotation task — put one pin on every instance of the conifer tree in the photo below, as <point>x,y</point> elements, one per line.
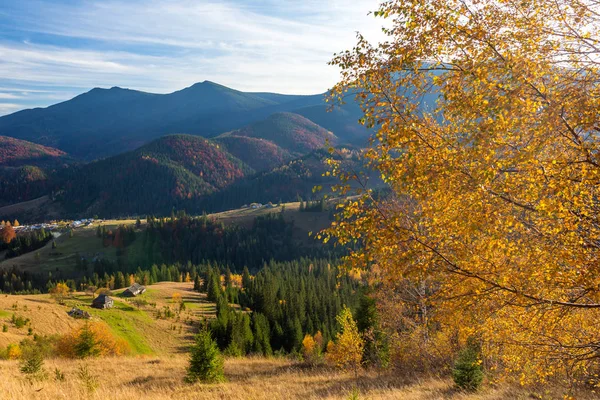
<point>206,362</point>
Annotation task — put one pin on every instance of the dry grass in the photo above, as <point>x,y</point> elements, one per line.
<point>273,379</point>
<point>145,333</point>
<point>47,317</point>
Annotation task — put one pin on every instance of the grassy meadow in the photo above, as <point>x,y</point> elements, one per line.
<point>154,378</point>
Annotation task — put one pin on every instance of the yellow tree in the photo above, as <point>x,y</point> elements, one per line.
<point>60,292</point>
<point>486,131</point>
<point>176,298</point>
<point>347,350</point>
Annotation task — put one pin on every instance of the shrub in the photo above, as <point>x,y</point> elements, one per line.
<point>19,321</point>
<point>312,348</point>
<point>13,352</point>
<point>91,340</point>
<point>86,344</point>
<point>44,345</point>
<point>4,328</point>
<point>467,372</point>
<point>206,363</point>
<point>32,365</point>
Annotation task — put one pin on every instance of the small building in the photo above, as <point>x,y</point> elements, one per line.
<point>103,301</point>
<point>134,290</point>
<point>78,313</point>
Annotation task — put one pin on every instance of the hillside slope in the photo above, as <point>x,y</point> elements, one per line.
<point>16,153</point>
<point>28,170</point>
<point>291,132</point>
<point>259,154</point>
<point>169,172</point>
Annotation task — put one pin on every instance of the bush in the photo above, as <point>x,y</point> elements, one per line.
<point>19,321</point>
<point>91,340</point>
<point>13,352</point>
<point>44,345</point>
<point>312,349</point>
<point>32,365</point>
<point>206,363</point>
<point>467,372</point>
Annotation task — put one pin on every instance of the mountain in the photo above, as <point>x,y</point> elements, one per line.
<point>173,171</point>
<point>29,170</point>
<point>291,132</point>
<point>104,122</point>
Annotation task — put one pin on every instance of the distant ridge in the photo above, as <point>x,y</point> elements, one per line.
<point>105,122</point>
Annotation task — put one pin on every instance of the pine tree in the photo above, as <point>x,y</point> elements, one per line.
<point>467,372</point>
<point>86,345</point>
<point>33,362</point>
<point>206,363</point>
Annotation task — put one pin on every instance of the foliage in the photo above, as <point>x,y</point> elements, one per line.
<point>91,340</point>
<point>25,243</point>
<point>347,350</point>
<point>174,170</point>
<point>291,132</point>
<point>486,134</point>
<point>13,351</point>
<point>312,348</point>
<point>258,153</point>
<point>59,292</point>
<point>7,234</point>
<point>206,363</point>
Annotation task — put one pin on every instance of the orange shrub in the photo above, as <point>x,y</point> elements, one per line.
<point>106,343</point>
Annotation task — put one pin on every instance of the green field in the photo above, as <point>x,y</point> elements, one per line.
<point>124,320</point>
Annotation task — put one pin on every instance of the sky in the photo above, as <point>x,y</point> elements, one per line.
<point>53,50</point>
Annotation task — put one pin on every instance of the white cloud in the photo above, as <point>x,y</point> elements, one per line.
<point>6,108</point>
<point>162,46</point>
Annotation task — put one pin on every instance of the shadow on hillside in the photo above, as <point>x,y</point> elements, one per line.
<point>41,301</point>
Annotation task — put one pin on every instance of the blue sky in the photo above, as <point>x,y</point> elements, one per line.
<point>51,51</point>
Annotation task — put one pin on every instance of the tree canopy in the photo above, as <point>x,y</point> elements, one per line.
<point>486,119</point>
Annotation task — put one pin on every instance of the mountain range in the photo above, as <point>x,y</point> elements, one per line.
<point>104,122</point>
<point>116,151</point>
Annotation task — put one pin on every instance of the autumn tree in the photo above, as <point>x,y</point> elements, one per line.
<point>486,133</point>
<point>60,292</point>
<point>347,350</point>
<point>7,234</point>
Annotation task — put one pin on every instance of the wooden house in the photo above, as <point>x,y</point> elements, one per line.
<point>134,290</point>
<point>103,301</point>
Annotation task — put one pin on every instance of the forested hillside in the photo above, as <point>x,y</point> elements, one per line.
<point>258,153</point>
<point>29,170</point>
<point>170,172</point>
<point>289,131</point>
